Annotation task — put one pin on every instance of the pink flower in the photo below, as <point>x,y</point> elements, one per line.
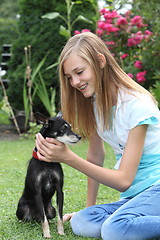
<point>130,75</point>
<point>76,32</point>
<point>110,42</point>
<point>85,30</point>
<point>138,39</point>
<point>130,42</point>
<point>122,21</point>
<point>111,14</point>
<point>138,64</point>
<point>140,77</point>
<point>148,33</point>
<point>138,21</point>
<point>103,11</point>
<point>108,20</point>
<point>101,24</point>
<point>139,33</point>
<point>124,56</point>
<point>99,32</point>
<point>110,28</point>
<point>135,39</point>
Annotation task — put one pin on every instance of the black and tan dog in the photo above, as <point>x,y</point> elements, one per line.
<point>43,179</point>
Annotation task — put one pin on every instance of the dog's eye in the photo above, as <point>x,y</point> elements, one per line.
<point>65,127</point>
<point>47,125</point>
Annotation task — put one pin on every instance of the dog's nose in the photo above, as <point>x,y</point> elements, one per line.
<point>79,137</point>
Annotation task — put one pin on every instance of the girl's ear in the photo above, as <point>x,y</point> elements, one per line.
<point>102,60</point>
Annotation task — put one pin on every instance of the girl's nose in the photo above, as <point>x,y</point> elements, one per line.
<point>75,81</point>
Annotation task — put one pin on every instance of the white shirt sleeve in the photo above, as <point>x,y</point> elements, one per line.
<point>139,110</point>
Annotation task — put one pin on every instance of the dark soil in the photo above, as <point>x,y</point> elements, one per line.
<point>8,132</point>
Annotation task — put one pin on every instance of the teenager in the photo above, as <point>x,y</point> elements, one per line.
<point>103,103</point>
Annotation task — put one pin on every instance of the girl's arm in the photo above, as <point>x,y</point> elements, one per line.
<point>121,179</point>
<point>95,155</point>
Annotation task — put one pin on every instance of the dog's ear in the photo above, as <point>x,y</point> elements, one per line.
<point>41,119</point>
<point>59,114</point>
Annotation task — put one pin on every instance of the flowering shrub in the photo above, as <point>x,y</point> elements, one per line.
<point>127,38</point>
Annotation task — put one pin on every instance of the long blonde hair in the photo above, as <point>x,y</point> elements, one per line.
<point>77,109</point>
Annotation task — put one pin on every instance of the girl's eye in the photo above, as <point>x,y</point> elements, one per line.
<point>68,78</point>
<point>80,72</point>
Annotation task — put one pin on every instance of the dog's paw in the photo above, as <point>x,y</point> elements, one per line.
<point>60,227</point>
<point>47,235</point>
<point>61,232</point>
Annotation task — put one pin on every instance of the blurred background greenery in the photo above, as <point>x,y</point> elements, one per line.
<point>22,26</point>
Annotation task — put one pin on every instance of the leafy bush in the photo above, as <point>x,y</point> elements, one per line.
<point>128,38</point>
<point>8,28</point>
<point>4,113</point>
<point>44,38</point>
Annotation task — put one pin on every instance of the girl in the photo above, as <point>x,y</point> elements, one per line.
<point>105,104</point>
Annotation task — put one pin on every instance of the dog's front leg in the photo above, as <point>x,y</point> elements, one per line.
<point>60,226</point>
<point>42,215</point>
<point>45,228</point>
<point>60,199</point>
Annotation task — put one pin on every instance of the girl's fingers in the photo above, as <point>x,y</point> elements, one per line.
<point>68,216</point>
<point>41,157</point>
<point>53,141</point>
<point>50,150</point>
<point>41,148</point>
<point>47,148</point>
<point>46,142</point>
<point>41,143</point>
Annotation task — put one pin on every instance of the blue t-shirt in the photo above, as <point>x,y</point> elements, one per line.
<point>133,110</point>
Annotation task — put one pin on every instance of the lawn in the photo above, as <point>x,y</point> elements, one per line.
<point>13,164</point>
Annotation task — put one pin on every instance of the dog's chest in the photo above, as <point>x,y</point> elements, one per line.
<point>44,176</point>
<point>49,177</point>
<point>47,181</point>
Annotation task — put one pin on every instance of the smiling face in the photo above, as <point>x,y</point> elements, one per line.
<point>80,74</point>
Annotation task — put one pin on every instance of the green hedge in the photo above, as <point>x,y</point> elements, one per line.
<point>44,38</point>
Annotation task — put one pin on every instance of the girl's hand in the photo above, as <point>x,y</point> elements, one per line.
<point>50,150</point>
<point>68,216</point>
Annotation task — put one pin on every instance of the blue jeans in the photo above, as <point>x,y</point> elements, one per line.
<point>135,218</point>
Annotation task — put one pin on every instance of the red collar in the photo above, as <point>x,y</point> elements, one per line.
<point>34,154</point>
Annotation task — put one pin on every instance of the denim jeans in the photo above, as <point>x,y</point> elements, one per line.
<point>135,218</point>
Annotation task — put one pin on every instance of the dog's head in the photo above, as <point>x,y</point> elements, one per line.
<point>58,128</point>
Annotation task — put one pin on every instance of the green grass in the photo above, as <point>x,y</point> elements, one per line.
<point>13,164</point>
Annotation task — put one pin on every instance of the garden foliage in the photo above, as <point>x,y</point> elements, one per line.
<point>44,38</point>
<point>8,22</point>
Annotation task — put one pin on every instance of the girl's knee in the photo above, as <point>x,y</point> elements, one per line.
<point>112,230</point>
<point>106,230</point>
<point>76,224</point>
<point>82,227</point>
